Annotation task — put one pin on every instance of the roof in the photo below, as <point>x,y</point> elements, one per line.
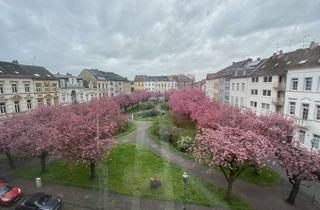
<point>145,78</point>
<point>107,76</point>
<point>228,71</point>
<point>8,69</point>
<point>182,78</point>
<point>280,63</point>
<point>65,76</point>
<point>249,69</point>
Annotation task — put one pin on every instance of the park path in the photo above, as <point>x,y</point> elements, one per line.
<point>261,198</point>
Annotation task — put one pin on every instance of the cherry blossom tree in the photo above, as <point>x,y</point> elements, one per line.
<point>232,150</point>
<point>85,131</point>
<point>38,136</point>
<point>300,165</point>
<point>123,100</point>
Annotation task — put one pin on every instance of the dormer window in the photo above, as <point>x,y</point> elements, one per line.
<point>16,72</point>
<point>1,72</point>
<point>37,75</point>
<point>303,61</point>
<point>288,62</point>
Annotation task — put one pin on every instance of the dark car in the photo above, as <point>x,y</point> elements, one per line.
<point>8,194</point>
<point>39,201</point>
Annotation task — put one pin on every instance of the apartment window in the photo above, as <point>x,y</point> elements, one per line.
<point>48,102</point>
<point>14,88</point>
<point>27,88</point>
<point>232,99</point>
<point>318,112</point>
<point>267,79</point>
<point>1,89</point>
<point>46,87</point>
<point>29,104</point>
<point>16,106</point>
<point>307,83</point>
<point>292,107</point>
<point>253,103</point>
<point>40,102</point>
<point>63,98</point>
<point>265,106</point>
<point>54,86</point>
<point>241,101</point>
<point>38,88</point>
<point>316,141</point>
<point>255,79</point>
<point>236,101</point>
<point>254,91</point>
<point>3,108</point>
<point>302,136</point>
<point>99,85</point>
<point>294,84</point>
<point>242,86</point>
<point>305,111</point>
<point>238,86</point>
<point>266,92</point>
<point>232,87</point>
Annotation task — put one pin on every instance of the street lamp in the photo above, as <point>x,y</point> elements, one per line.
<point>185,177</point>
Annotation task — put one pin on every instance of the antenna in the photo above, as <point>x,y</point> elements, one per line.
<point>291,43</point>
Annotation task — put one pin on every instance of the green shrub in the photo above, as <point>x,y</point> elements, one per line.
<point>146,105</point>
<point>164,106</point>
<point>185,143</point>
<point>149,113</point>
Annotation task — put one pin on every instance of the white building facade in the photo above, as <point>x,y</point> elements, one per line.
<point>302,103</point>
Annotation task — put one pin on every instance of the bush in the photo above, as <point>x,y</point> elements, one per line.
<point>164,134</point>
<point>164,106</point>
<point>149,113</point>
<point>146,105</point>
<point>185,143</point>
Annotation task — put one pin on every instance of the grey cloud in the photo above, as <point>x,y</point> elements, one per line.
<point>153,37</point>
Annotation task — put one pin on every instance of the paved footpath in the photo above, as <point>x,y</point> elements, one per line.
<point>261,198</point>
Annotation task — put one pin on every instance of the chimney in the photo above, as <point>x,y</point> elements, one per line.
<point>280,52</point>
<point>15,61</point>
<point>313,45</point>
<point>258,59</point>
<point>274,55</point>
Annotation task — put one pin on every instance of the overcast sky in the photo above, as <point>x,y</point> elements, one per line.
<point>154,37</point>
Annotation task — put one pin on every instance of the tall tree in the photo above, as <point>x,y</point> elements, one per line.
<point>85,131</point>
<point>300,165</point>
<point>232,150</point>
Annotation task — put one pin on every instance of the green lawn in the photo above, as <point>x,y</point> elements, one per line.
<point>129,168</point>
<point>137,116</point>
<point>128,128</point>
<point>265,176</point>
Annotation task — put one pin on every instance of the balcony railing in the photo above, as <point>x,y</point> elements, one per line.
<point>278,101</point>
<point>279,86</point>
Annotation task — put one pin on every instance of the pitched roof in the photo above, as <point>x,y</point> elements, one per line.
<point>145,78</point>
<point>279,64</point>
<point>181,78</point>
<point>228,71</point>
<point>8,69</point>
<point>249,68</point>
<point>107,76</point>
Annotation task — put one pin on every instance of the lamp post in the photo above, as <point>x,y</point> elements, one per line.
<point>185,177</point>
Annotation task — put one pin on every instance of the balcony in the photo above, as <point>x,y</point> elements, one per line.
<point>278,101</point>
<point>279,86</point>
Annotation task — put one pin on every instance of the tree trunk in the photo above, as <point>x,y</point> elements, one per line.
<point>256,171</point>
<point>125,108</point>
<point>93,171</point>
<point>10,161</point>
<point>229,190</point>
<point>43,158</point>
<point>294,191</point>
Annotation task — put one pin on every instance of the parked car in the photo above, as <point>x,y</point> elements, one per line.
<point>8,194</point>
<point>39,201</point>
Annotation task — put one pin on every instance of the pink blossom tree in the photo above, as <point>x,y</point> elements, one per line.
<point>37,139</point>
<point>300,165</point>
<point>232,150</point>
<point>85,131</point>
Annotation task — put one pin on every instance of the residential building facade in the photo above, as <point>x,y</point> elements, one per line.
<point>25,87</point>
